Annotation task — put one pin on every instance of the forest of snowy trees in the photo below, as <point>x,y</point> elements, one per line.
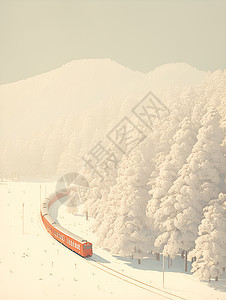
<point>166,195</point>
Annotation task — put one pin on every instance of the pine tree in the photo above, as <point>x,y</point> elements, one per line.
<point>198,182</point>
<point>128,199</point>
<point>184,140</point>
<point>163,136</point>
<point>210,246</point>
<point>53,149</point>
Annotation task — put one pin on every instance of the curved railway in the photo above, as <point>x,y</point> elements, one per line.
<point>59,233</point>
<point>84,248</point>
<point>136,282</point>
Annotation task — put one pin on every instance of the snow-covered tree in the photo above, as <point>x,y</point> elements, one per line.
<point>164,136</point>
<point>126,222</point>
<point>101,178</point>
<point>198,182</point>
<point>68,160</point>
<point>53,149</point>
<point>210,246</point>
<point>6,159</point>
<point>184,140</point>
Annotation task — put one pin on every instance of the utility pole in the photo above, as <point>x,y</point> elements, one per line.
<point>23,218</point>
<point>186,261</point>
<point>40,192</point>
<point>163,258</point>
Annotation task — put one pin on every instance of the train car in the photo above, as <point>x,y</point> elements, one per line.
<point>44,208</point>
<point>62,235</point>
<point>72,241</point>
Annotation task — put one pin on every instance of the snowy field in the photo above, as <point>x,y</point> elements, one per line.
<point>34,266</point>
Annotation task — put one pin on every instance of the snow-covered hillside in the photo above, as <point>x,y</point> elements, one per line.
<point>75,87</point>
<point>82,99</point>
<point>34,266</point>
<point>175,75</point>
<point>157,196</point>
<point>155,163</point>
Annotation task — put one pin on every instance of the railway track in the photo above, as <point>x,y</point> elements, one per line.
<point>133,281</point>
<point>123,277</point>
<point>145,286</point>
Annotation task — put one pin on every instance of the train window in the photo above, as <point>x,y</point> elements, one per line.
<point>84,246</point>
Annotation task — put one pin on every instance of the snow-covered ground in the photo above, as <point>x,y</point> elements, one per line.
<point>34,266</point>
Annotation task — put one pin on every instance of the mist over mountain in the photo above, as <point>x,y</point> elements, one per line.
<point>175,74</point>
<point>80,86</point>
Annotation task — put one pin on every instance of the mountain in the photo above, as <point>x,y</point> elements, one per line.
<point>175,74</point>
<point>79,86</point>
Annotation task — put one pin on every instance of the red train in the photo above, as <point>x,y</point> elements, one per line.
<point>65,237</point>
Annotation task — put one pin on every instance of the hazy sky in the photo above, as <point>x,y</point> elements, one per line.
<point>39,35</point>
